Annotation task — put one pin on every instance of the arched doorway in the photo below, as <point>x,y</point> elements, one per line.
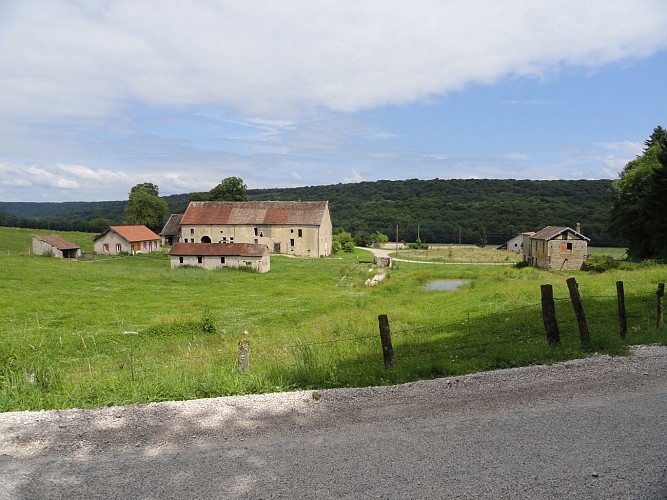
<point>205,239</point>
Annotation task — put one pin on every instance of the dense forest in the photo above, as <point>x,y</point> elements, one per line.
<point>436,211</point>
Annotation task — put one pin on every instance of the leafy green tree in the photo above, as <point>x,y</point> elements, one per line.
<point>230,189</point>
<point>638,200</point>
<point>342,240</point>
<point>146,207</point>
<point>482,238</point>
<point>363,238</point>
<point>99,224</point>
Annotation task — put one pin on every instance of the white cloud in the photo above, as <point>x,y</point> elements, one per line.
<point>354,177</point>
<point>92,58</point>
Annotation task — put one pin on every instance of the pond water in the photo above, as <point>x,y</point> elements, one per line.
<point>444,285</point>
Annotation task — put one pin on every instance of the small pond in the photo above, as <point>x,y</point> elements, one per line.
<point>444,285</point>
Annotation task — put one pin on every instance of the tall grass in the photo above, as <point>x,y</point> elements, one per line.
<point>129,329</point>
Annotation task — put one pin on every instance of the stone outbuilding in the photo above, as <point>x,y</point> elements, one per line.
<point>171,232</point>
<point>517,243</point>
<point>557,247</point>
<point>56,246</point>
<point>298,228</point>
<point>217,255</point>
<point>126,239</point>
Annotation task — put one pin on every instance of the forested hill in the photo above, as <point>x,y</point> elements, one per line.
<point>438,210</point>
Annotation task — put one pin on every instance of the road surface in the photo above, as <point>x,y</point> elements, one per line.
<point>593,428</point>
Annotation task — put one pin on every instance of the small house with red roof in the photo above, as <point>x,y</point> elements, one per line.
<point>558,248</point>
<point>56,246</point>
<point>217,255</point>
<point>126,239</point>
<point>299,228</point>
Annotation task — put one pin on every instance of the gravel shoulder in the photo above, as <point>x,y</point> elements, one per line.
<point>49,440</point>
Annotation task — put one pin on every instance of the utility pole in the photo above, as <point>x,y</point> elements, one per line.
<point>397,237</point>
<point>418,233</point>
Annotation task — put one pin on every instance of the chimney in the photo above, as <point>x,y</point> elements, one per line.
<point>579,227</point>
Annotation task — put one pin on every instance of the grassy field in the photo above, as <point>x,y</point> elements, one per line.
<point>460,254</point>
<point>611,252</point>
<point>127,330</point>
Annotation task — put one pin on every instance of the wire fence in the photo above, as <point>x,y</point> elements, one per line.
<point>520,326</point>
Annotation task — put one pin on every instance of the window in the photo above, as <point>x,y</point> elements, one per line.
<point>224,239</point>
<point>569,247</point>
<point>119,248</point>
<point>291,242</point>
<point>192,230</point>
<point>256,241</point>
<point>222,260</point>
<point>180,260</point>
<point>291,230</point>
<point>300,233</point>
<point>200,260</point>
<point>255,231</point>
<point>105,247</point>
<point>276,248</point>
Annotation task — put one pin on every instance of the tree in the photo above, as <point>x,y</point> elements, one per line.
<point>638,200</point>
<point>146,207</point>
<point>98,224</point>
<point>342,240</point>
<point>230,189</point>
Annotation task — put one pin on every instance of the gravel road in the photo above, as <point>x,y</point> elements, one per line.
<point>592,428</point>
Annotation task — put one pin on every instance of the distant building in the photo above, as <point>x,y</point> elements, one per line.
<point>556,247</point>
<point>517,243</point>
<point>55,245</point>
<point>300,228</point>
<point>127,239</point>
<point>216,255</point>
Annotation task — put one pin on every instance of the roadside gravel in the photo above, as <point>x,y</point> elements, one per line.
<point>73,437</point>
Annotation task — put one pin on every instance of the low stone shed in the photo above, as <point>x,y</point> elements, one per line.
<point>217,255</point>
<point>55,245</point>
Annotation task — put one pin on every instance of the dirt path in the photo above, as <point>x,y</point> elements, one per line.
<point>381,252</point>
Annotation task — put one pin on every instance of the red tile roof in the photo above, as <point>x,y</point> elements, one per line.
<point>255,212</point>
<point>56,241</point>
<point>219,249</point>
<point>132,233</point>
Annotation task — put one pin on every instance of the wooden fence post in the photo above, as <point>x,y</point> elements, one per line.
<point>578,307</point>
<point>385,338</point>
<point>549,314</point>
<point>244,355</point>
<point>622,316</point>
<point>660,293</point>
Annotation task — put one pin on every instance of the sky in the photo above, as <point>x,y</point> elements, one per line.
<point>97,96</point>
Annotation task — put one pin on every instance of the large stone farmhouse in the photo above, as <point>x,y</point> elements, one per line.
<point>56,246</point>
<point>299,228</point>
<point>127,239</point>
<point>556,247</point>
<point>216,255</point>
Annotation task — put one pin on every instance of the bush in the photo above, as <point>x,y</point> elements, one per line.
<point>600,264</point>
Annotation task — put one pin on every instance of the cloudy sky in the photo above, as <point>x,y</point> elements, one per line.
<point>97,96</point>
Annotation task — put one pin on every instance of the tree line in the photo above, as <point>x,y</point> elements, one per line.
<point>435,211</point>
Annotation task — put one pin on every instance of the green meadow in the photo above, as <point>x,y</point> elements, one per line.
<point>126,330</point>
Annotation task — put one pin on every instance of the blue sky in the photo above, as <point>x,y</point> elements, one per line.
<point>98,96</point>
